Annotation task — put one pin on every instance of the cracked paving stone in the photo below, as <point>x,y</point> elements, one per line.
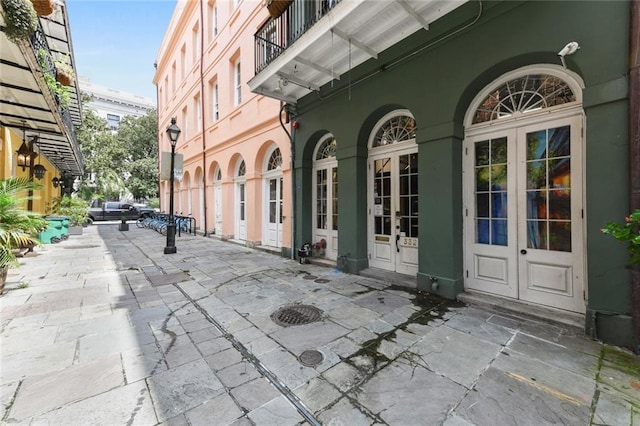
<point>501,399</point>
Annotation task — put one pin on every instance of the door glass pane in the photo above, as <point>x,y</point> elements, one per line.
<point>491,191</point>
<point>560,204</point>
<point>537,234</point>
<point>281,217</point>
<point>549,189</point>
<point>560,236</point>
<point>321,199</point>
<point>408,197</point>
<point>334,205</point>
<point>382,196</point>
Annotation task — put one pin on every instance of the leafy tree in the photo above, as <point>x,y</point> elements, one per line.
<point>140,135</point>
<point>122,161</point>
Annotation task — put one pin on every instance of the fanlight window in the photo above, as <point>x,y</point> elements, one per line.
<point>524,94</point>
<point>218,177</point>
<point>397,129</point>
<point>327,149</point>
<point>275,160</point>
<point>242,169</point>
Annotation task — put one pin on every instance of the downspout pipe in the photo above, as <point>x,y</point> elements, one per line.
<point>634,153</point>
<point>204,132</point>
<point>293,179</point>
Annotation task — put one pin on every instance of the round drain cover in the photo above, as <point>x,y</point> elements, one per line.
<point>321,281</point>
<point>296,315</point>
<point>309,277</point>
<point>310,358</point>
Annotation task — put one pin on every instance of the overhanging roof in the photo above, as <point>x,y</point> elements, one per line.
<point>350,33</point>
<point>25,96</point>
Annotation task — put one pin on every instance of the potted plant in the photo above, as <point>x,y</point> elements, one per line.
<point>61,92</point>
<point>20,19</point>
<point>43,7</point>
<point>64,73</point>
<point>627,232</point>
<point>18,227</point>
<point>123,226</point>
<point>277,7</point>
<point>76,209</point>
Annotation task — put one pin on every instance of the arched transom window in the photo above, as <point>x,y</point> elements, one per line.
<point>275,161</point>
<point>327,149</point>
<point>242,169</point>
<point>401,128</point>
<point>218,177</point>
<point>528,93</point>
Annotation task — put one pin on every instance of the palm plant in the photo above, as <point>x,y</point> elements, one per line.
<point>18,226</point>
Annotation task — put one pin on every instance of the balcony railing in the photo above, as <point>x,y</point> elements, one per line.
<point>39,41</point>
<point>277,34</point>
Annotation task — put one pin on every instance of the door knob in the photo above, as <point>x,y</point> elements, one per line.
<point>523,251</point>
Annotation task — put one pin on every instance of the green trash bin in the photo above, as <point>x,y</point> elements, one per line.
<point>53,233</point>
<point>65,227</point>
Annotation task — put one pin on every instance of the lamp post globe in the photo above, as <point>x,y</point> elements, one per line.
<point>173,132</point>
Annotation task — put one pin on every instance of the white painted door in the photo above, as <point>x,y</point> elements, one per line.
<point>524,226</point>
<point>241,219</point>
<point>217,199</point>
<point>274,212</point>
<point>393,211</point>
<point>325,210</point>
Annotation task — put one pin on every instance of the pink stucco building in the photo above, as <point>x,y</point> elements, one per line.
<point>237,165</point>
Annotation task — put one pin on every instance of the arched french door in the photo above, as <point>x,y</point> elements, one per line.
<point>217,201</point>
<point>272,179</point>
<point>523,179</point>
<point>393,194</point>
<point>241,202</point>
<point>325,195</point>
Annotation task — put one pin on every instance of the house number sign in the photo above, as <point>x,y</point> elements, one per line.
<point>408,242</point>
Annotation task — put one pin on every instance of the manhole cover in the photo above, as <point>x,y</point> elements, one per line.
<point>309,277</point>
<point>310,358</point>
<point>296,315</point>
<point>321,281</point>
<point>79,247</point>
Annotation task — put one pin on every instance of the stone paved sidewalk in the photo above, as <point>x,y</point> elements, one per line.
<point>104,329</point>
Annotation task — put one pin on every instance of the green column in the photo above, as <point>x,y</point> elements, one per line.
<point>440,205</point>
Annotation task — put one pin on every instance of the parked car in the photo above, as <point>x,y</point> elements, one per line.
<point>115,210</point>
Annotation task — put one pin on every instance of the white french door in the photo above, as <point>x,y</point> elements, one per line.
<point>393,210</point>
<point>241,219</point>
<point>325,210</point>
<point>523,213</point>
<point>273,234</point>
<point>217,200</point>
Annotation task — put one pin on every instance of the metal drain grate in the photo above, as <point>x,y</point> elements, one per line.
<point>310,358</point>
<point>296,315</point>
<point>321,281</point>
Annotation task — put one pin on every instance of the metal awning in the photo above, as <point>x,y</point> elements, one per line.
<point>25,98</point>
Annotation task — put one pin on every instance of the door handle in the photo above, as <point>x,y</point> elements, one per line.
<point>523,251</point>
<point>397,239</point>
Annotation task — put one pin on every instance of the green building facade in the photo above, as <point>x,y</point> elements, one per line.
<point>474,157</point>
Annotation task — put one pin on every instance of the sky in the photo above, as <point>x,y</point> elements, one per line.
<point>116,42</point>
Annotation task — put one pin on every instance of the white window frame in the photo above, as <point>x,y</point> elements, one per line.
<point>237,83</point>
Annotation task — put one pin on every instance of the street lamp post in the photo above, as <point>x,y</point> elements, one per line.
<point>173,132</point>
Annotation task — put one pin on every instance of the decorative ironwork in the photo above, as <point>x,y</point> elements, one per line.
<point>529,93</point>
<point>275,161</point>
<point>327,149</point>
<point>242,169</point>
<point>277,34</point>
<point>401,128</point>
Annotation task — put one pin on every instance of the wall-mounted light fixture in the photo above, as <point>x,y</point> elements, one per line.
<point>55,182</point>
<point>38,170</point>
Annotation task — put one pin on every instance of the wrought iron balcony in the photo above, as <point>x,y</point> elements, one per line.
<point>315,42</point>
<point>277,34</point>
